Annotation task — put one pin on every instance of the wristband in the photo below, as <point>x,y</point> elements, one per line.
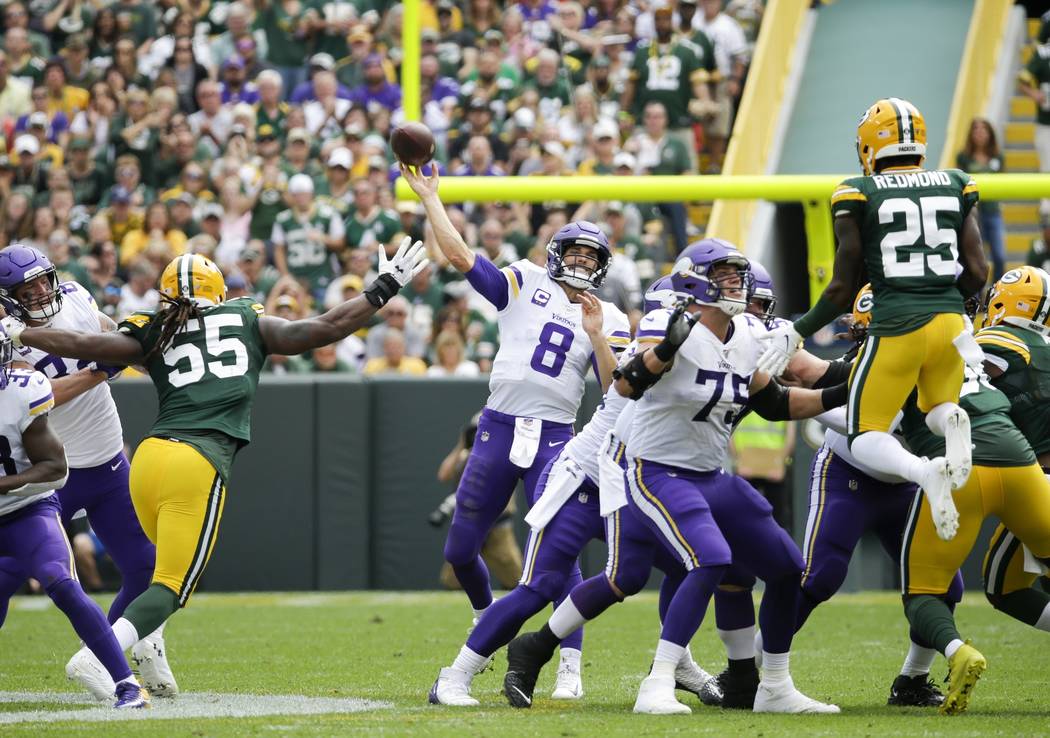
<point>665,350</point>
<point>381,290</point>
<point>836,396</point>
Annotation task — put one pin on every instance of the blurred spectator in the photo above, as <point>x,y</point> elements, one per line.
<point>393,359</point>
<point>325,113</point>
<point>307,236</point>
<point>156,230</point>
<point>424,294</point>
<point>63,97</point>
<point>129,180</point>
<point>322,359</point>
<point>139,294</point>
<point>261,276</point>
<point>54,124</point>
<point>606,138</point>
<point>731,58</point>
<point>238,36</point>
<point>659,153</point>
<point>1039,253</point>
<point>87,181</point>
<point>212,122</point>
<point>270,111</point>
<point>979,155</point>
<point>493,246</point>
<point>395,318</point>
<point>14,93</point>
<point>375,89</point>
<point>307,90</point>
<point>449,351</point>
<point>26,65</point>
<point>370,225</point>
<point>288,26</point>
<point>236,88</point>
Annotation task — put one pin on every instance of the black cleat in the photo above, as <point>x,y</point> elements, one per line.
<point>915,691</point>
<point>526,656</point>
<point>739,684</point>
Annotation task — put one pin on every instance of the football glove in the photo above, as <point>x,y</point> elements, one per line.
<point>783,342</point>
<point>13,327</point>
<point>679,325</point>
<point>409,260</point>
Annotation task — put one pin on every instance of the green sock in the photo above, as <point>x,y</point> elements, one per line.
<point>1026,605</point>
<point>151,608</point>
<point>932,620</point>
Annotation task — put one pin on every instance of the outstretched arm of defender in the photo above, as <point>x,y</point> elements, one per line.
<point>110,348</point>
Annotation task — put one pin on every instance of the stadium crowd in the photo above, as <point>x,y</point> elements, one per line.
<point>255,132</point>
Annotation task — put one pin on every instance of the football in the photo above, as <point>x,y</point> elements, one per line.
<point>412,143</point>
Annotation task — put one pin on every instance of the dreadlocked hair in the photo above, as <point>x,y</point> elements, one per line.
<point>172,319</point>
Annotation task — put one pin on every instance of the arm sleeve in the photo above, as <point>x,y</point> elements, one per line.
<point>495,285</point>
<point>970,196</point>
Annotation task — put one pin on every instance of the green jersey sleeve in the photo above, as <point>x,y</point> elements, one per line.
<point>968,188</point>
<point>850,198</point>
<point>141,326</point>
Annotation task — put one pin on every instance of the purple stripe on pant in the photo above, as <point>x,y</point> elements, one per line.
<point>32,540</point>
<point>488,481</point>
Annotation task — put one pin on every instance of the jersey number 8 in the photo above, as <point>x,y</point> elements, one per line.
<point>550,353</point>
<point>215,346</point>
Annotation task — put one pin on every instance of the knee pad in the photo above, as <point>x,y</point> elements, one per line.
<point>463,544</point>
<point>53,574</point>
<point>550,585</point>
<point>628,583</point>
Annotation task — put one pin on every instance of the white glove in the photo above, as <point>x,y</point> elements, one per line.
<point>13,327</point>
<point>783,342</point>
<point>409,261</point>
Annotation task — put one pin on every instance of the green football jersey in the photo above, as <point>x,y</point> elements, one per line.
<point>996,440</point>
<point>910,223</point>
<point>1024,357</point>
<point>378,228</point>
<point>206,378</point>
<point>309,258</point>
<point>665,73</point>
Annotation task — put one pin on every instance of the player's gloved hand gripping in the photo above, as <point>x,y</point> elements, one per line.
<point>396,272</point>
<point>679,325</point>
<point>783,343</point>
<point>13,327</point>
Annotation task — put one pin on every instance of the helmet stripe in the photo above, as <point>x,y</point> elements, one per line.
<point>903,120</point>
<point>186,275</point>
<point>1044,305</point>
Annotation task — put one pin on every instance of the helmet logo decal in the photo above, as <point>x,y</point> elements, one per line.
<point>1014,275</point>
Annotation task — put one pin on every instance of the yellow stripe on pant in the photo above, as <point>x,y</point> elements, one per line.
<point>179,498</point>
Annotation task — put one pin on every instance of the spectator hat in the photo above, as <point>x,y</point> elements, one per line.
<point>373,60</point>
<point>524,118</point>
<point>352,282</point>
<point>605,128</point>
<point>212,210</point>
<point>234,62</point>
<point>250,253</point>
<point>445,6</point>
<point>554,148</point>
<point>663,9</point>
<point>120,196</point>
<point>601,60</point>
<point>245,44</point>
<point>359,33</point>
<point>37,119</point>
<point>27,144</point>
<point>322,61</point>
<point>185,198</point>
<point>300,183</point>
<point>457,289</point>
<point>354,130</point>
<point>688,2</point>
<point>625,159</point>
<point>287,301</point>
<point>478,103</point>
<point>614,206</point>
<point>341,157</point>
<point>298,135</point>
<point>5,162</point>
<point>375,161</point>
<point>408,206</point>
<point>429,34</point>
<point>80,143</point>
<point>493,36</point>
<point>265,133</point>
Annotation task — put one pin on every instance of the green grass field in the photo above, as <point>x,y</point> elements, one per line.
<point>387,648</point>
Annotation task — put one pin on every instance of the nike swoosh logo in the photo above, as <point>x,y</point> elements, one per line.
<point>116,466</point>
<point>552,444</point>
<point>524,696</point>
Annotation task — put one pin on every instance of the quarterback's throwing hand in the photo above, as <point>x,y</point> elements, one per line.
<point>782,343</point>
<point>410,260</point>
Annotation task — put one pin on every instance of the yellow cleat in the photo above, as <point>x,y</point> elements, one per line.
<point>964,669</point>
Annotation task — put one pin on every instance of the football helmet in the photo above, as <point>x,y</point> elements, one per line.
<point>19,265</point>
<point>764,294</point>
<point>1020,298</point>
<point>579,276</point>
<point>660,294</point>
<point>194,277</point>
<point>890,127</point>
<point>690,275</point>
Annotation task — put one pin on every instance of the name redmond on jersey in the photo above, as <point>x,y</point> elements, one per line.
<point>911,179</point>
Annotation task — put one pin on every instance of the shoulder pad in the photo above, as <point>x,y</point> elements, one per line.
<point>139,320</point>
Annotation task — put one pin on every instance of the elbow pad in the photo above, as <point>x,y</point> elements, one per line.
<point>838,372</point>
<point>638,376</point>
<point>772,402</point>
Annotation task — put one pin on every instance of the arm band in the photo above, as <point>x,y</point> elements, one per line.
<point>836,396</point>
<point>381,290</point>
<point>818,316</point>
<point>665,351</point>
<point>637,375</point>
<point>772,402</point>
<point>838,371</point>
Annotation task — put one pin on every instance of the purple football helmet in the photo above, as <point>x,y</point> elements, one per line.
<point>579,276</point>
<point>660,294</point>
<point>764,294</point>
<point>19,265</point>
<point>694,264</point>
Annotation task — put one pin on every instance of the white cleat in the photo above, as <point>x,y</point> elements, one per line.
<point>689,677</point>
<point>784,698</point>
<point>958,451</point>
<point>568,685</point>
<point>656,697</point>
<point>149,656</point>
<point>937,487</point>
<point>85,669</point>
<point>452,688</point>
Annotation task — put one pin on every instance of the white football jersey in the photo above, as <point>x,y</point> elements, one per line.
<point>26,397</point>
<point>686,418</point>
<point>544,353</point>
<point>88,425</point>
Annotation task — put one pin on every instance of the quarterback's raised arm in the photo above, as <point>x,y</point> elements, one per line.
<point>448,239</point>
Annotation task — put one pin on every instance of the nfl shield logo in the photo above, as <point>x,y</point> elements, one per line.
<point>853,485</point>
<point>541,298</point>
<point>484,436</point>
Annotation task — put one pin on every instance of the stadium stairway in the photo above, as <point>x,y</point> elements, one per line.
<point>1021,217</point>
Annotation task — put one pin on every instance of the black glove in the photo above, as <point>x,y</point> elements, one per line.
<point>679,326</point>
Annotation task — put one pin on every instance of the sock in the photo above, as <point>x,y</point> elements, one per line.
<point>1026,605</point>
<point>666,659</point>
<point>473,577</point>
<point>91,625</point>
<point>937,418</point>
<point>687,658</point>
<point>882,451</point>
<point>503,619</point>
<point>952,647</point>
<point>781,596</point>
<point>807,603</point>
<point>918,661</point>
<point>571,657</point>
<point>667,589</point>
<point>932,619</point>
<point>126,634</point>
<point>574,640</point>
<point>690,603</point>
<point>758,642</point>
<point>545,636</point>
<point>1043,623</point>
<point>468,661</point>
<point>151,608</point>
<point>131,680</point>
<point>740,643</point>
<point>478,613</point>
<point>734,608</point>
<point>775,668</point>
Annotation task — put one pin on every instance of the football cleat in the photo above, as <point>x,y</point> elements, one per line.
<point>690,677</point>
<point>738,687</point>
<point>85,669</point>
<point>452,687</point>
<point>958,451</point>
<point>656,697</point>
<point>526,657</point>
<point>568,685</point>
<point>964,669</point>
<point>937,487</point>
<point>149,657</point>
<point>784,698</point>
<point>131,696</point>
<point>915,691</point>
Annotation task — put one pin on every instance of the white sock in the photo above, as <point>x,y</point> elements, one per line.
<point>667,657</point>
<point>952,647</point>
<point>882,451</point>
<point>571,657</point>
<point>687,659</point>
<point>566,619</point>
<point>918,661</point>
<point>468,661</point>
<point>758,642</point>
<point>131,680</point>
<point>1043,623</point>
<point>479,613</point>
<point>739,643</point>
<point>126,634</point>
<point>937,418</point>
<point>775,667</point>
